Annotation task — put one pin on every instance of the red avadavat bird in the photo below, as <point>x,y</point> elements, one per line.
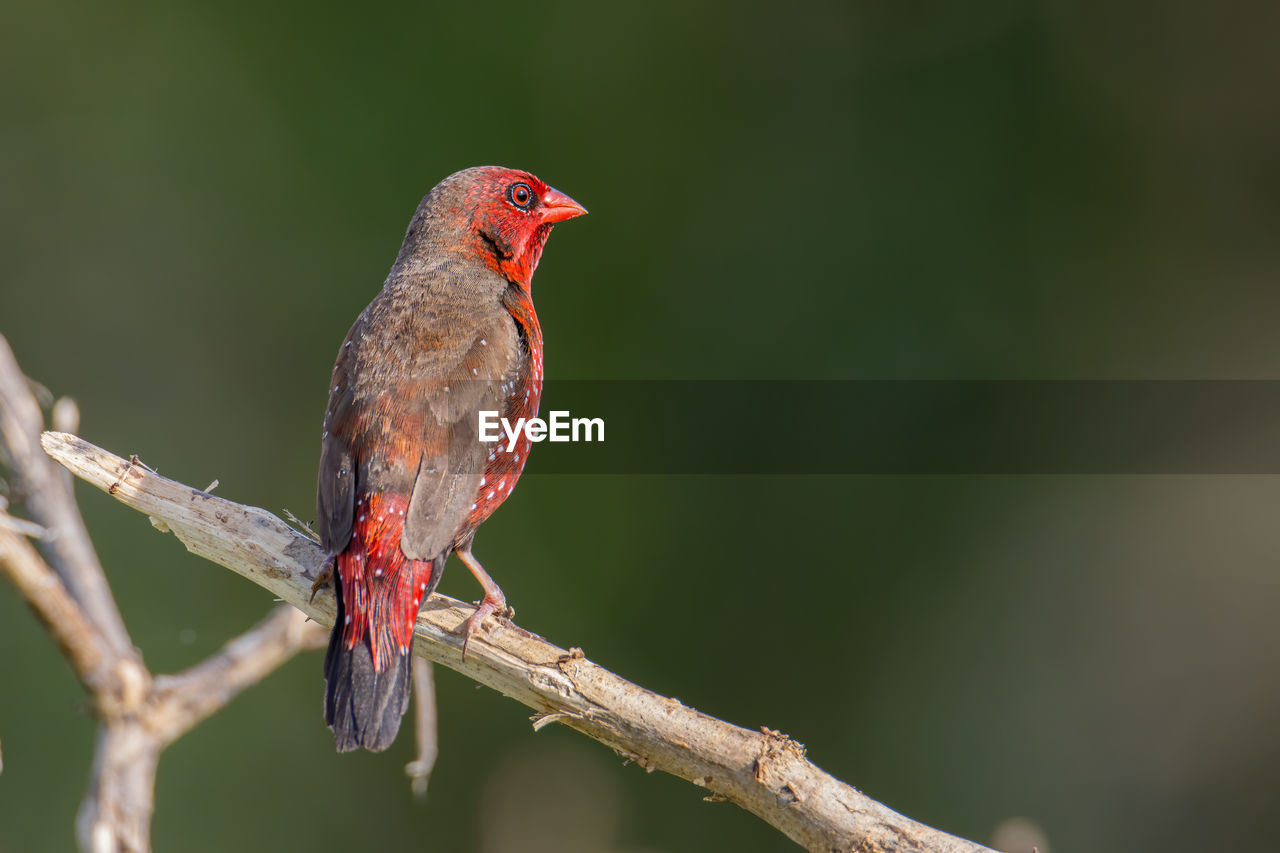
<point>404,479</point>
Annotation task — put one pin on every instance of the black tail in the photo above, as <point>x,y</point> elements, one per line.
<point>363,706</point>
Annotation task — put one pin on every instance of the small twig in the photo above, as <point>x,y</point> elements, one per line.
<point>21,525</point>
<point>65,417</point>
<point>541,721</point>
<point>182,700</point>
<point>424,728</point>
<point>301,525</point>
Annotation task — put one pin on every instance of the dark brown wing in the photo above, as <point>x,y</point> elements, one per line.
<point>336,486</point>
<point>417,367</point>
<point>450,472</point>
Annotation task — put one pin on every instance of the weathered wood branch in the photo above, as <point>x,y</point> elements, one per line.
<point>53,605</point>
<point>65,586</point>
<point>45,492</point>
<point>179,702</point>
<point>763,771</point>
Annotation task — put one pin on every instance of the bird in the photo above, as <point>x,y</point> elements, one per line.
<point>404,479</point>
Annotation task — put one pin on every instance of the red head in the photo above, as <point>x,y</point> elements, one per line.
<point>501,216</point>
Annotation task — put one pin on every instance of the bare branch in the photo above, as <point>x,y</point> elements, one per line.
<point>47,496</point>
<point>115,814</point>
<point>52,604</point>
<point>21,525</point>
<point>764,771</point>
<point>181,701</point>
<point>138,716</point>
<point>424,727</point>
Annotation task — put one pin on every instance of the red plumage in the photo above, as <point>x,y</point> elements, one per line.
<point>381,587</point>
<point>404,479</point>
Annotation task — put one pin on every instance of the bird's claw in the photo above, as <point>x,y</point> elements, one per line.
<point>475,622</point>
<point>322,578</point>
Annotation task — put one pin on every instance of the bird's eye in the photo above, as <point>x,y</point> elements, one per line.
<point>520,195</point>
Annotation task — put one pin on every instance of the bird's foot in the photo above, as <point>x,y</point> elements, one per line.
<point>322,578</point>
<point>494,601</point>
<point>486,608</point>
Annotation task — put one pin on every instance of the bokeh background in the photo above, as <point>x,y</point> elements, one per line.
<point>196,199</point>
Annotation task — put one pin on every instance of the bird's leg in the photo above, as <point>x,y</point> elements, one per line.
<point>494,601</point>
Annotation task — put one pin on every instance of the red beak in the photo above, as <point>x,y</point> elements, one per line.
<point>557,207</point>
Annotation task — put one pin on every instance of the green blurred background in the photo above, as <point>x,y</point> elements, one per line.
<point>197,199</point>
